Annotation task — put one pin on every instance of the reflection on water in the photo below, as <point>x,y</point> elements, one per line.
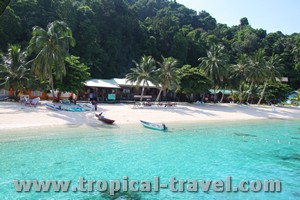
<point>295,157</point>
<point>295,138</point>
<point>245,135</point>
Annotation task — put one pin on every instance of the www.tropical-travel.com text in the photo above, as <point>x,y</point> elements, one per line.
<point>155,185</point>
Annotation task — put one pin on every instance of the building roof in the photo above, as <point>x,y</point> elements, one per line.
<point>227,92</point>
<point>283,79</point>
<point>125,83</point>
<point>115,83</point>
<point>103,83</point>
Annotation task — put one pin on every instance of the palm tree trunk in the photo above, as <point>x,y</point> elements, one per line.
<point>262,94</point>
<point>158,96</point>
<point>215,95</point>
<point>221,101</point>
<point>165,93</point>
<point>52,87</point>
<point>241,95</point>
<point>250,91</point>
<point>142,91</point>
<point>16,94</point>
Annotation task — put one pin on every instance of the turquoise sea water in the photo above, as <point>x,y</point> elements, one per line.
<point>253,150</point>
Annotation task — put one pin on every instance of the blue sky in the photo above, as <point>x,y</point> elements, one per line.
<point>271,15</point>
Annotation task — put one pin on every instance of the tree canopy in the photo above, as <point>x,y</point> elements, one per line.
<point>110,34</point>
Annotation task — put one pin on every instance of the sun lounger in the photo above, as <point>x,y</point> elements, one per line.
<point>170,104</point>
<point>147,103</point>
<point>137,105</point>
<point>160,104</point>
<point>32,102</point>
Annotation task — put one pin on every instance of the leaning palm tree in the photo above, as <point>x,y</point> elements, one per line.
<point>214,65</point>
<point>256,71</point>
<point>142,72</point>
<point>239,72</point>
<point>51,47</point>
<point>13,71</point>
<point>166,74</point>
<point>272,73</point>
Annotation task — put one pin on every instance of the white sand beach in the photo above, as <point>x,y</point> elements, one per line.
<point>16,115</point>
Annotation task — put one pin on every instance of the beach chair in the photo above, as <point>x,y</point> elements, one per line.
<point>137,105</point>
<point>4,98</point>
<point>66,101</point>
<point>170,104</point>
<point>159,103</point>
<point>32,102</point>
<point>147,103</point>
<point>24,98</point>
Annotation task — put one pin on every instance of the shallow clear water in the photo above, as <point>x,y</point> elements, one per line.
<point>268,149</point>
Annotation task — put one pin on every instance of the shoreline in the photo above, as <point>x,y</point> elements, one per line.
<point>87,131</point>
<point>16,116</point>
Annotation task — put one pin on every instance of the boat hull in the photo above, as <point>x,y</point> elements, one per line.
<point>153,126</point>
<point>104,119</point>
<point>53,107</point>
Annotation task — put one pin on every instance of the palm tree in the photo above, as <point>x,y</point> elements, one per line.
<point>51,47</point>
<point>224,86</point>
<point>214,65</point>
<point>13,71</point>
<point>273,73</point>
<point>166,74</point>
<point>256,71</point>
<point>142,72</point>
<point>239,72</point>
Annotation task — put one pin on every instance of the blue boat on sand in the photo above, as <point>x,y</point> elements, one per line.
<point>53,107</point>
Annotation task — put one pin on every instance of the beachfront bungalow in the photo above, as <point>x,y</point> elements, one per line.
<point>117,89</point>
<point>283,79</point>
<point>131,91</point>
<point>31,94</point>
<point>220,93</point>
<point>28,94</point>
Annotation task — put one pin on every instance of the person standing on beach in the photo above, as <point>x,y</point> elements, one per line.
<point>94,103</point>
<point>91,96</point>
<point>74,98</point>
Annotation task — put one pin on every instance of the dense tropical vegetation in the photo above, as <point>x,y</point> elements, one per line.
<point>192,80</point>
<point>14,73</point>
<point>3,5</point>
<point>51,47</point>
<point>183,46</point>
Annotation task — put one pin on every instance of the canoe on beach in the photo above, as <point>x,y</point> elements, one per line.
<point>104,119</point>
